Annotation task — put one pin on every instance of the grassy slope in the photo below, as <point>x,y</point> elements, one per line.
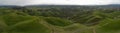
<point>18,22</point>
<point>14,23</point>
<point>23,24</point>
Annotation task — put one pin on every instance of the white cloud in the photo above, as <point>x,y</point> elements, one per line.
<point>70,2</point>
<point>14,2</point>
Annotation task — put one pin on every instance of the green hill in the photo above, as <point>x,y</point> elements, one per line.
<point>59,20</point>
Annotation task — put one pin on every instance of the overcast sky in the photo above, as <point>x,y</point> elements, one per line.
<point>59,2</point>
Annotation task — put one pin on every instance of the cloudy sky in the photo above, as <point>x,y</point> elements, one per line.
<point>59,2</point>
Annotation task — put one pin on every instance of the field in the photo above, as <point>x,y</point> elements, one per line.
<point>59,19</point>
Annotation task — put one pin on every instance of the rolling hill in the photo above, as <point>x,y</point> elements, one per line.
<point>60,19</point>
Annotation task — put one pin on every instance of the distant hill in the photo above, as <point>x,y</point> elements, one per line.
<point>111,6</point>
<point>77,6</point>
<point>9,6</point>
<point>68,6</point>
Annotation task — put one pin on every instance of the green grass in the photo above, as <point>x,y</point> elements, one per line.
<point>33,21</point>
<point>12,23</point>
<point>58,21</point>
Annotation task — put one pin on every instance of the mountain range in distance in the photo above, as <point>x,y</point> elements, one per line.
<point>104,6</point>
